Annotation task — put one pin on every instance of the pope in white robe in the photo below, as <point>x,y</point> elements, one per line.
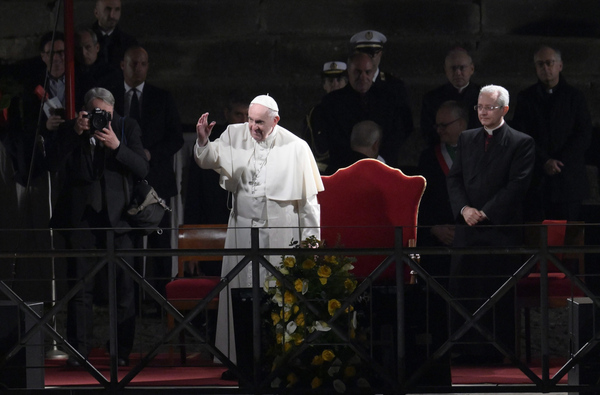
<point>274,181</point>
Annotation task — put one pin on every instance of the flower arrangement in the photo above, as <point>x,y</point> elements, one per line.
<point>300,359</point>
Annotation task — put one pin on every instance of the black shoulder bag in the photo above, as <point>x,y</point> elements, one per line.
<point>146,209</point>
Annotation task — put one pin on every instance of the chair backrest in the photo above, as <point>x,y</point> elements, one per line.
<point>200,237</point>
<point>561,233</point>
<point>363,203</point>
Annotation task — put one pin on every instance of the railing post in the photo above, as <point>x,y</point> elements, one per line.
<point>545,320</point>
<point>254,243</point>
<point>398,247</point>
<point>112,305</point>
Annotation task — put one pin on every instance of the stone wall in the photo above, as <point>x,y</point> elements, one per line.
<point>201,50</point>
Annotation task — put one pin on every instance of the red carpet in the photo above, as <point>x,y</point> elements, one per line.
<point>201,372</point>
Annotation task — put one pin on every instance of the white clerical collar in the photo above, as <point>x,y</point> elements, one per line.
<point>460,90</point>
<point>108,33</point>
<point>140,87</point>
<point>491,131</point>
<point>376,74</point>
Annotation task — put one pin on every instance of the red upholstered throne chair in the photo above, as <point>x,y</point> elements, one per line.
<point>363,203</point>
<point>560,287</point>
<point>184,293</point>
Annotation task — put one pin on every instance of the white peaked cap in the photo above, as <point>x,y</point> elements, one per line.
<point>266,101</point>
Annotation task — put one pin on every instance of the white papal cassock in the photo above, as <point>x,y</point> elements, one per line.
<point>274,184</point>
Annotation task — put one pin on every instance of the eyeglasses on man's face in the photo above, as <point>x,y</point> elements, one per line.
<point>479,107</point>
<point>542,63</point>
<point>444,125</point>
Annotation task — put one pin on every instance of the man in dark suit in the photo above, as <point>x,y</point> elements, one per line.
<point>358,101</point>
<point>459,69</point>
<point>435,214</point>
<point>156,112</point>
<point>100,168</point>
<point>113,41</point>
<point>487,184</point>
<point>556,115</point>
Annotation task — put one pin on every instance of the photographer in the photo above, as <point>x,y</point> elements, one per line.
<point>100,168</point>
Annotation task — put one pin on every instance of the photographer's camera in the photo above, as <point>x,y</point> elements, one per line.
<point>99,119</point>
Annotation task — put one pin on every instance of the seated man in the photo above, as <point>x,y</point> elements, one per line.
<point>364,142</point>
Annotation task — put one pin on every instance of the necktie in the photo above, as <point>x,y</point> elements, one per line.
<point>134,105</point>
<point>488,140</point>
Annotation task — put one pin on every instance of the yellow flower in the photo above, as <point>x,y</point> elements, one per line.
<point>298,338</point>
<point>289,298</point>
<point>350,371</point>
<point>350,285</point>
<point>323,281</point>
<point>350,309</point>
<point>298,284</point>
<point>315,383</point>
<point>324,271</point>
<point>276,318</point>
<point>287,315</point>
<point>308,264</point>
<point>289,261</point>
<point>292,379</point>
<point>352,333</point>
<point>279,338</point>
<point>327,355</point>
<point>300,319</point>
<point>317,360</point>
<point>287,346</point>
<point>296,308</point>
<point>333,305</point>
<point>331,259</point>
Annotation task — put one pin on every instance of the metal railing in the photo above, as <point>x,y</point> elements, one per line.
<point>395,381</point>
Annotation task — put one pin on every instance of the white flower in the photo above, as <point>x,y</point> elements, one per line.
<point>362,383</point>
<point>304,286</point>
<point>278,298</point>
<point>276,382</point>
<point>333,370</point>
<point>291,327</point>
<point>321,326</point>
<point>354,321</point>
<point>347,267</point>
<point>339,386</point>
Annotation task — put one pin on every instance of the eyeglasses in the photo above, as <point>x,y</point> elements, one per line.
<point>479,107</point>
<point>542,63</point>
<point>460,68</point>
<point>444,125</point>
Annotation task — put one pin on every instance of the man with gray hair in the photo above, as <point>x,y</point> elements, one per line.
<point>487,184</point>
<point>274,181</point>
<point>459,68</point>
<point>100,166</point>
<point>365,140</point>
<point>556,115</point>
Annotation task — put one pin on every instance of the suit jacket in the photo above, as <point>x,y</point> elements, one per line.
<point>161,133</point>
<point>435,206</point>
<point>561,126</point>
<point>495,181</point>
<point>113,47</point>
<point>112,178</point>
<point>341,109</point>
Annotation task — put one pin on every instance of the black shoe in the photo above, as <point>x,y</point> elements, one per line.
<point>73,363</point>
<point>229,376</point>
<point>123,361</point>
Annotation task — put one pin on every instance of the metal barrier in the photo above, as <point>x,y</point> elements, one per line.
<point>255,256</point>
